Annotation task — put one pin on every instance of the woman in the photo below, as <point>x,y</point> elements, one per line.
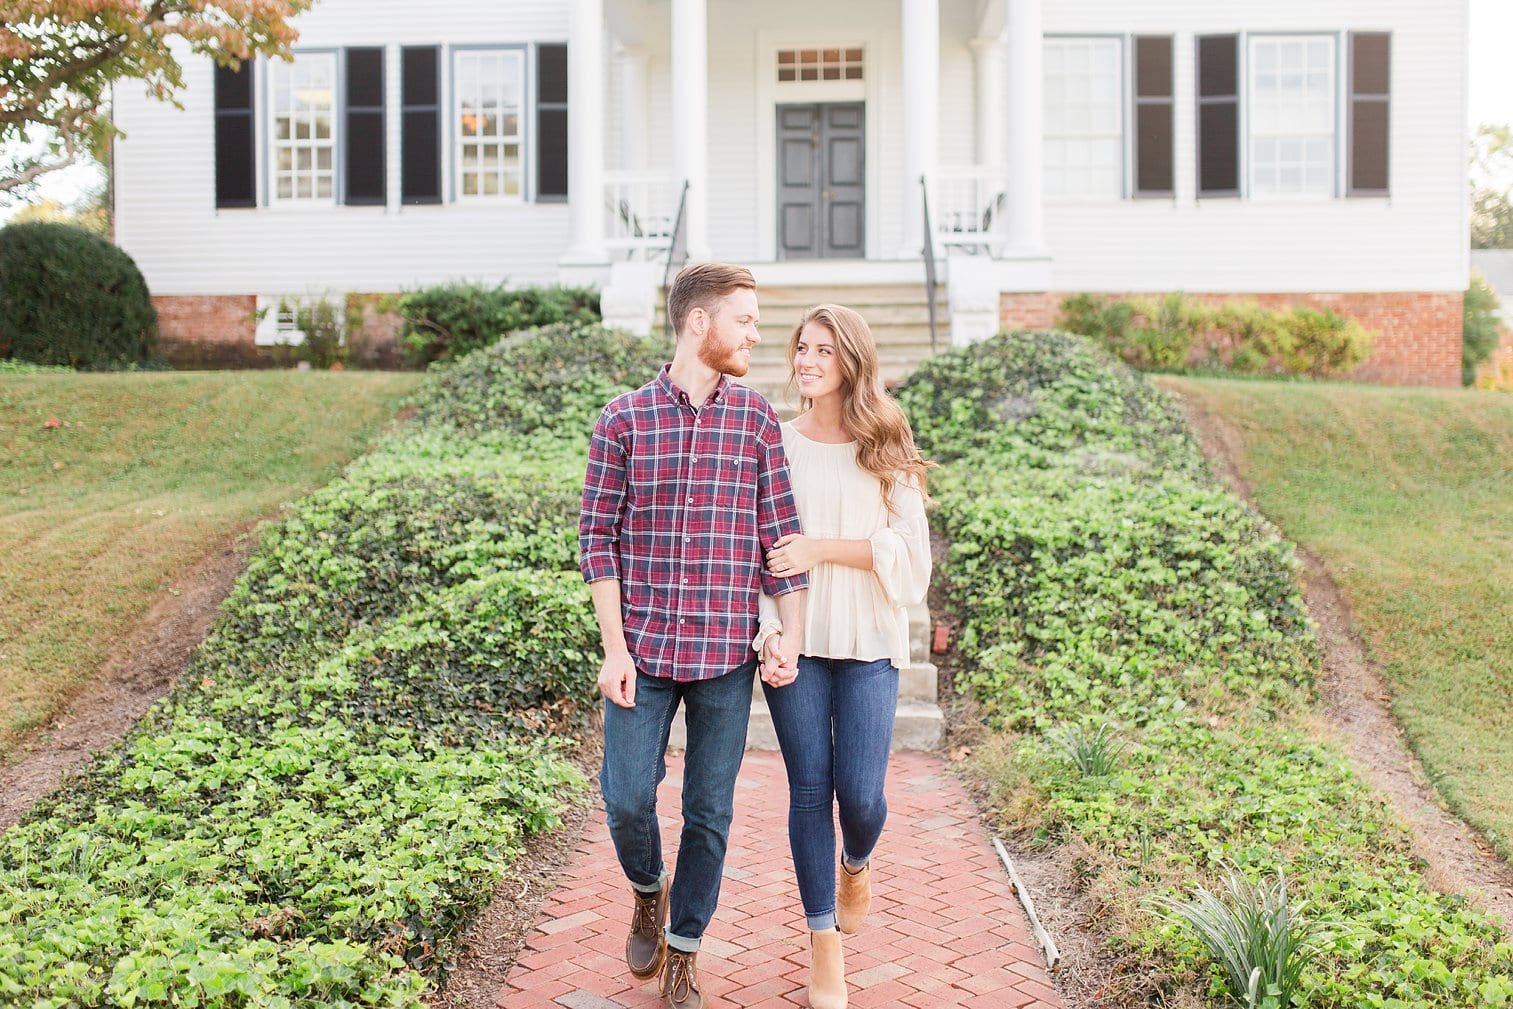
<point>860,486</point>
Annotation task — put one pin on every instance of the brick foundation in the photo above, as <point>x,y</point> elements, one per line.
<point>1419,341</point>
<point>209,331</point>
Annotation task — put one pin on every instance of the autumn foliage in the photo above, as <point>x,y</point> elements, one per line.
<point>58,59</point>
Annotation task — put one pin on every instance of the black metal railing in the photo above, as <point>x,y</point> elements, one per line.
<point>929,253</point>
<point>677,250</point>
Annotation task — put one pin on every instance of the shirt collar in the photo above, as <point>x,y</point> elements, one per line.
<point>671,391</point>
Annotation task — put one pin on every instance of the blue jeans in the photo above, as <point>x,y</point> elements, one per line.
<point>835,726</point>
<point>635,750</point>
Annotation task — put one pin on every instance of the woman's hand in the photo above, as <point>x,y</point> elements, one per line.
<point>794,554</point>
<point>779,668</point>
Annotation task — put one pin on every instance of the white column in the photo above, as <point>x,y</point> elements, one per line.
<point>634,74</point>
<point>921,28</point>
<point>1025,214</point>
<point>988,54</point>
<point>585,132</point>
<point>690,118</point>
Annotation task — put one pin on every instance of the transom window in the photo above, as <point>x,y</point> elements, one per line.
<point>303,128</point>
<point>490,87</point>
<point>1292,115</point>
<point>835,64</point>
<point>1084,122</point>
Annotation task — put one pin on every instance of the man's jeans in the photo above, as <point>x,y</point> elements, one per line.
<point>835,725</point>
<point>635,747</point>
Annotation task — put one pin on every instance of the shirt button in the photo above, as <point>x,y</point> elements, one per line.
<point>680,620</point>
<point>687,539</point>
<point>693,458</point>
<point>685,581</point>
<point>690,500</point>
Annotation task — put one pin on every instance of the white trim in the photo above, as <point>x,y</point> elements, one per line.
<point>770,93</point>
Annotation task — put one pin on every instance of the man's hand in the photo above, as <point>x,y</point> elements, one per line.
<point>780,660</point>
<point>793,555</point>
<point>617,679</point>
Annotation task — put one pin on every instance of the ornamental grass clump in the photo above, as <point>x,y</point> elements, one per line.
<point>1093,752</point>
<point>1258,937</point>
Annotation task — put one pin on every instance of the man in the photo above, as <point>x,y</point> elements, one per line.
<point>687,488</point>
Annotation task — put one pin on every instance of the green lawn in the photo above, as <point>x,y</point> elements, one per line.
<point>1407,496</point>
<point>143,475</point>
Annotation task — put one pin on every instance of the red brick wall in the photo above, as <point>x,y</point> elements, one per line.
<point>208,331</point>
<point>1419,341</point>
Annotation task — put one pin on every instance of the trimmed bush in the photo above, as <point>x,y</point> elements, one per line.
<point>554,379</point>
<point>69,297</point>
<point>1177,332</point>
<point>1480,328</point>
<point>451,321</point>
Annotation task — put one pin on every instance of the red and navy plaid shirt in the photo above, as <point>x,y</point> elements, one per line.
<point>681,504</point>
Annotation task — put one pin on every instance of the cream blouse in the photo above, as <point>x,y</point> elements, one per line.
<point>851,613</point>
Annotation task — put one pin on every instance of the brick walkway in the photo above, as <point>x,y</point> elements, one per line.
<point>945,928</point>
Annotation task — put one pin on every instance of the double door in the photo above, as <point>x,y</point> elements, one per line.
<point>821,196</point>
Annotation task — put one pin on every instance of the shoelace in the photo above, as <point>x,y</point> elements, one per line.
<point>680,979</point>
<point>645,918</point>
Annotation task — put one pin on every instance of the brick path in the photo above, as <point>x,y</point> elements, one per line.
<point>945,928</point>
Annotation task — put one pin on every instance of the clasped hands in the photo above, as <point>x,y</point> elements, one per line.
<point>780,659</point>
<point>793,555</point>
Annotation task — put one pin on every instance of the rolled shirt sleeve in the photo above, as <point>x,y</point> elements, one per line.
<point>604,488</point>
<point>777,511</point>
<point>901,550</point>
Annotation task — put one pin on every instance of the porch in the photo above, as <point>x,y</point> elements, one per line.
<point>821,147</point>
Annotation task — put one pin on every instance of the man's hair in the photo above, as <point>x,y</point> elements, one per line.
<point>702,285</point>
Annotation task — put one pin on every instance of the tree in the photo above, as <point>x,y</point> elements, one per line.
<point>58,59</point>
<point>1492,188</point>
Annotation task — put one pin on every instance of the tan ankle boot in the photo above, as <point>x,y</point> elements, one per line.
<point>827,971</point>
<point>853,897</point>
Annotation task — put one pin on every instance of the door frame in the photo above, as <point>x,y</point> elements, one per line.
<point>770,94</point>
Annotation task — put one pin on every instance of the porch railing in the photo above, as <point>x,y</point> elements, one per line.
<point>640,213</point>
<point>929,253</point>
<point>969,207</point>
<point>677,249</point>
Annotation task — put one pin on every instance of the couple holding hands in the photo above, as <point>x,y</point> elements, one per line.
<point>718,545</point>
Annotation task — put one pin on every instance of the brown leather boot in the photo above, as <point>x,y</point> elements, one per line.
<point>645,945</point>
<point>680,982</point>
<point>827,971</point>
<point>853,897</point>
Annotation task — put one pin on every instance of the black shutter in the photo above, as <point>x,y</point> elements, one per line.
<point>551,122</point>
<point>420,124</point>
<point>1370,77</point>
<point>1218,115</point>
<point>364,133</point>
<point>235,149</point>
<point>1153,115</point>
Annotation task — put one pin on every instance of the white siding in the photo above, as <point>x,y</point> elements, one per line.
<point>167,220</point>
<point>1414,240</point>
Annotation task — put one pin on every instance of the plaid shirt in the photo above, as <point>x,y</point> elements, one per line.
<point>681,505</point>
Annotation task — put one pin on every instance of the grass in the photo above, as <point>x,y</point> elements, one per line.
<point>142,476</point>
<point>1407,497</point>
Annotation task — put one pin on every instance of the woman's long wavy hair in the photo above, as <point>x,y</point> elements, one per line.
<point>884,440</point>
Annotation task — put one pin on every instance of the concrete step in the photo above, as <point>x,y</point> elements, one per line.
<point>917,726</point>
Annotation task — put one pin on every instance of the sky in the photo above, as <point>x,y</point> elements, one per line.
<point>1490,98</point>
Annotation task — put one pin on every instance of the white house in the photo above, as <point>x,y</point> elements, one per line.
<point>1307,151</point>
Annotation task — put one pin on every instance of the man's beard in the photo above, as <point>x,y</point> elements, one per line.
<point>730,362</point>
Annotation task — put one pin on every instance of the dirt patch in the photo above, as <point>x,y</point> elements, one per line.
<point>139,670</point>
<point>1356,703</point>
<point>490,945</point>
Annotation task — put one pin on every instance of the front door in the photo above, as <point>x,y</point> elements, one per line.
<point>821,196</point>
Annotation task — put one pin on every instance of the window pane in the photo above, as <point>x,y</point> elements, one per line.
<point>1083,108</point>
<point>489,96</point>
<point>303,126</point>
<point>1292,117</point>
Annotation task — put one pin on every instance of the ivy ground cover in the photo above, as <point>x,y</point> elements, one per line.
<point>356,753</point>
<point>1102,576</point>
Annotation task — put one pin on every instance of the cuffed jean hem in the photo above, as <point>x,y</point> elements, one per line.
<point>681,944</point>
<point>653,887</point>
<point>821,922</point>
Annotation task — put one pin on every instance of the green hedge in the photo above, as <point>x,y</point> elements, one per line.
<point>69,297</point>
<point>450,321</point>
<point>1137,591</point>
<point>357,752</point>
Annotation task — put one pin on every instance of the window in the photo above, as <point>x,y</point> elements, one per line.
<point>1084,120</point>
<point>1292,115</point>
<point>489,91</point>
<point>303,128</point>
<point>840,63</point>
